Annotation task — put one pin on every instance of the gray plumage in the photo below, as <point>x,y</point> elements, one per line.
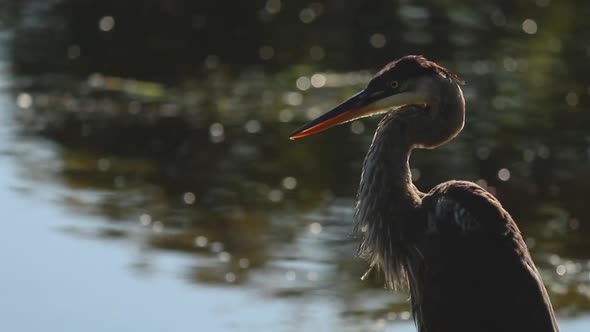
<point>457,250</point>
<point>402,227</point>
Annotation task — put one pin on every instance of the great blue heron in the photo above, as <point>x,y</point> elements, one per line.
<point>460,253</point>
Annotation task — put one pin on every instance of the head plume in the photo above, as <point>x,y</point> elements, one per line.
<point>414,65</point>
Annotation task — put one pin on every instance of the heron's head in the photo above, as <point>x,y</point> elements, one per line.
<point>411,80</point>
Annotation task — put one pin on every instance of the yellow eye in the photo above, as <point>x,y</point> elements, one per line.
<point>394,84</point>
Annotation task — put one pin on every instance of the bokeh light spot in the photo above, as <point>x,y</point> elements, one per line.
<point>289,183</point>
<point>201,241</point>
<point>24,100</point>
<point>510,64</point>
<point>106,23</point>
<point>275,195</point>
<point>189,198</point>
<point>286,115</point>
<point>529,26</point>
<point>572,99</point>
<point>216,133</point>
<point>543,152</point>
<point>313,112</point>
<point>378,40</point>
<point>357,127</point>
<point>528,155</point>
<point>531,242</point>
<point>482,183</point>
<point>498,17</point>
<point>483,152</point>
<point>504,174</point>
<point>244,263</point>
<point>252,126</point>
<point>307,15</point>
<point>230,277</point>
<point>224,256</point>
<point>158,227</point>
<point>293,98</point>
<point>273,6</point>
<point>266,52</point>
<point>74,52</point>
<point>303,83</point>
<point>318,80</point>
<point>145,219</point>
<point>216,247</point>
<point>103,164</point>
<point>315,228</point>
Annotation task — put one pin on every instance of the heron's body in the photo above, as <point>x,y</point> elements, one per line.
<point>458,250</point>
<point>476,273</point>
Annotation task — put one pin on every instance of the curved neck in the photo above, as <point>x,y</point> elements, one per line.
<point>386,199</point>
<point>387,211</point>
<point>386,187</point>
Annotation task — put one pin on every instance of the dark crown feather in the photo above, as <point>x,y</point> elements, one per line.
<point>412,65</point>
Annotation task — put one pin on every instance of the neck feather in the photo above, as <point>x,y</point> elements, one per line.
<point>387,212</point>
<point>387,198</point>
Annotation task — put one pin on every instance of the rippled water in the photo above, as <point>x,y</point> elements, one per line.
<point>162,204</point>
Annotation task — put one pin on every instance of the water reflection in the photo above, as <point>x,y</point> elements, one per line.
<point>183,149</point>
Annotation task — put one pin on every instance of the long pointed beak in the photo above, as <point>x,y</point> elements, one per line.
<point>356,107</point>
<point>364,103</point>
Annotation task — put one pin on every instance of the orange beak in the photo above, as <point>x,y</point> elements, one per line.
<point>356,107</point>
